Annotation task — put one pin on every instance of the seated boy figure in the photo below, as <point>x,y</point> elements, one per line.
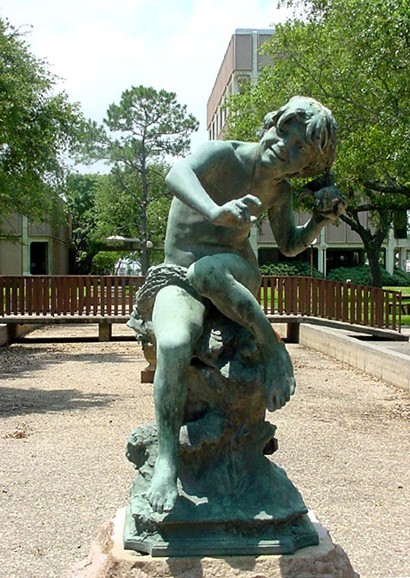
<point>218,192</point>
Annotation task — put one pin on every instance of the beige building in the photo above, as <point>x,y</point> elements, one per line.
<point>240,66</point>
<point>33,248</point>
<point>336,246</point>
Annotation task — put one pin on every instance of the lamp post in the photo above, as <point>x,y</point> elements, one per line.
<point>311,256</point>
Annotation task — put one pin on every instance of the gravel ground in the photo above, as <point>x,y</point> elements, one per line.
<point>66,411</point>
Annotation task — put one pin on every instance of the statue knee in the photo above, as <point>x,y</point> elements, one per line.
<point>174,348</point>
<point>203,274</point>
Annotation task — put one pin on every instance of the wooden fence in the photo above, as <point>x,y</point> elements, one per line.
<point>113,296</point>
<point>68,295</point>
<point>355,304</point>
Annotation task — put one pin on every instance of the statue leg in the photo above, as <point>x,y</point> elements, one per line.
<point>178,323</point>
<point>230,282</point>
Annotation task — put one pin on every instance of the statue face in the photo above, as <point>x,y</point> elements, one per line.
<point>284,148</point>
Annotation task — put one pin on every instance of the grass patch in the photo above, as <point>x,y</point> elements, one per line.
<point>405,290</point>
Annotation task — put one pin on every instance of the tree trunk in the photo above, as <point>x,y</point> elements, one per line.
<point>373,254</point>
<point>372,241</point>
<point>144,220</point>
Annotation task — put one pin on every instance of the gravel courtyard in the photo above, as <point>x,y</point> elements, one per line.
<point>66,411</point>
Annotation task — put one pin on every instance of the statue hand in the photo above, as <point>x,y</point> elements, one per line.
<point>328,201</point>
<point>236,212</point>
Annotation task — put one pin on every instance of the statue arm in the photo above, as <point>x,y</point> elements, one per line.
<point>184,182</point>
<point>292,239</point>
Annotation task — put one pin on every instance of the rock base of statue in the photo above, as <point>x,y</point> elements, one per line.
<point>233,500</point>
<point>254,522</point>
<point>108,559</point>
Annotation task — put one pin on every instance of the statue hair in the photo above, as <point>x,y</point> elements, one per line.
<point>320,129</point>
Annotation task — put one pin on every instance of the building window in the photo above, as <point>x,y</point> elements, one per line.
<point>39,258</point>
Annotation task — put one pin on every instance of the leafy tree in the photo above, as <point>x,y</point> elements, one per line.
<point>37,128</point>
<point>80,194</point>
<point>354,56</point>
<point>144,129</point>
<point>104,205</point>
<point>119,212</point>
<point>103,262</point>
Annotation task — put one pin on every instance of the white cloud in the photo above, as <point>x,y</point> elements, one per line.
<point>101,47</point>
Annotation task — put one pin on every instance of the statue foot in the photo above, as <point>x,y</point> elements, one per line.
<point>279,393</point>
<point>280,381</point>
<point>163,492</point>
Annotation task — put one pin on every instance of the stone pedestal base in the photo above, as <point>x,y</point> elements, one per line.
<point>108,559</point>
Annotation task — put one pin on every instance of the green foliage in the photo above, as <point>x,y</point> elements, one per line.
<point>157,218</point>
<point>146,128</point>
<point>103,262</point>
<point>361,276</point>
<point>354,56</point>
<point>80,193</point>
<point>37,128</point>
<point>104,205</point>
<point>152,124</point>
<point>118,207</point>
<point>401,278</point>
<point>293,269</point>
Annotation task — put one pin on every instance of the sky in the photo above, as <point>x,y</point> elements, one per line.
<point>99,48</point>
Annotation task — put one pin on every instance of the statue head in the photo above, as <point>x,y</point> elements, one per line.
<point>320,132</point>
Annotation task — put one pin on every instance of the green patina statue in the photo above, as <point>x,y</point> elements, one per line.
<point>217,356</point>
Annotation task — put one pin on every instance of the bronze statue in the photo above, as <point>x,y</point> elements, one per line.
<point>219,191</point>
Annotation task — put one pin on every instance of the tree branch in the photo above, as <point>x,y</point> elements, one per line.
<point>390,187</point>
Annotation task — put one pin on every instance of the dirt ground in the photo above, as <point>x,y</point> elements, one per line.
<point>66,411</point>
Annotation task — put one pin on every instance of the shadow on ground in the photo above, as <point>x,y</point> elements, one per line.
<point>86,339</point>
<point>17,401</point>
<point>20,361</point>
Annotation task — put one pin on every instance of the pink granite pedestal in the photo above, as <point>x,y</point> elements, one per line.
<point>108,559</point>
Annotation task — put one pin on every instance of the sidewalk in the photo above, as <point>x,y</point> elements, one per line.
<point>386,360</point>
<point>66,412</point>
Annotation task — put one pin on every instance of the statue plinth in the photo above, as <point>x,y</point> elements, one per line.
<point>233,500</point>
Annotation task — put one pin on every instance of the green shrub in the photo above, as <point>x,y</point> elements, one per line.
<point>358,275</point>
<point>402,278</point>
<point>289,269</point>
<point>104,262</point>
<point>361,276</point>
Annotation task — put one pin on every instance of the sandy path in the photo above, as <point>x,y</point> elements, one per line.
<point>343,440</point>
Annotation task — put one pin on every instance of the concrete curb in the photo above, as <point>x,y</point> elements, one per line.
<point>10,332</point>
<point>378,360</point>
